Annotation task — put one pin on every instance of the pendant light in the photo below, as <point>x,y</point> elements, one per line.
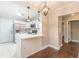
<point>28,17</point>
<point>45,9</point>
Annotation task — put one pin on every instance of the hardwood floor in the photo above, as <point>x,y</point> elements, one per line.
<point>70,50</point>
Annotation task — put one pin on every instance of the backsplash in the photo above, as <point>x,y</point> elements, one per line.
<point>28,27</point>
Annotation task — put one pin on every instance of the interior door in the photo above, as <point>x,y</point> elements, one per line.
<point>6,31</point>
<point>75,31</point>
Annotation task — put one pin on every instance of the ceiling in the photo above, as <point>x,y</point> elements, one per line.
<point>10,9</point>
<point>51,4</point>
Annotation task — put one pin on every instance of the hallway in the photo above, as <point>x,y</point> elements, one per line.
<point>70,50</point>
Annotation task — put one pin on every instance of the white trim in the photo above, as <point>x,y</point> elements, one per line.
<point>38,50</point>
<point>66,41</point>
<point>54,47</point>
<point>70,30</point>
<point>75,41</point>
<point>44,47</point>
<point>49,45</point>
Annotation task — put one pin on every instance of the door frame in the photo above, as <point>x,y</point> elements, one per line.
<point>69,35</point>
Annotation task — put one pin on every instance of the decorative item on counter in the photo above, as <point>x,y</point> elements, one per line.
<point>34,31</point>
<point>33,25</point>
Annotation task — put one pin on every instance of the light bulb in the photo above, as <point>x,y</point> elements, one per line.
<point>45,9</point>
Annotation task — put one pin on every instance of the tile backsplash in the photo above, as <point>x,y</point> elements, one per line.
<point>28,27</point>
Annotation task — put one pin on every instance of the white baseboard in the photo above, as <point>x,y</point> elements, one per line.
<point>44,47</point>
<point>38,50</point>
<point>75,41</point>
<point>54,47</point>
<point>66,41</point>
<point>49,45</point>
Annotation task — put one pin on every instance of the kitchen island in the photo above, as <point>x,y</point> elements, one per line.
<point>28,43</point>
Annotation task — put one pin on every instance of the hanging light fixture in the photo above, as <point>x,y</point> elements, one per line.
<point>45,9</point>
<point>28,17</point>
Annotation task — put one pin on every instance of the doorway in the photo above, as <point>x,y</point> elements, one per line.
<point>68,29</point>
<point>75,31</point>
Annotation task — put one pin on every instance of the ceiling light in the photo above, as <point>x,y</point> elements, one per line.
<point>28,17</point>
<point>45,9</point>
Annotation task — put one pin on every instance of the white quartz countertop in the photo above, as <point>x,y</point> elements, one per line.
<point>26,36</point>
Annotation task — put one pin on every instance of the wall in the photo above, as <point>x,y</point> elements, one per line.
<point>45,29</point>
<point>53,21</point>
<point>53,29</point>
<point>6,30</point>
